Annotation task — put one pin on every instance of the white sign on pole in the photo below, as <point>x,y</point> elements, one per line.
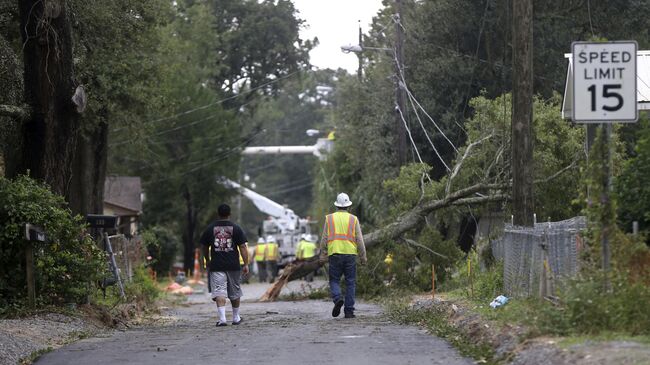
<point>604,82</point>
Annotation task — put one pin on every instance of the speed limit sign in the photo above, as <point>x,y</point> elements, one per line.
<point>604,82</point>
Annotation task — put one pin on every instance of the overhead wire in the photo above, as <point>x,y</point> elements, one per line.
<point>411,96</point>
<point>427,136</point>
<point>219,101</point>
<point>415,147</point>
<point>217,158</point>
<point>169,130</point>
<point>478,48</point>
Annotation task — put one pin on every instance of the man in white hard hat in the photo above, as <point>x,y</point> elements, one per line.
<point>341,243</point>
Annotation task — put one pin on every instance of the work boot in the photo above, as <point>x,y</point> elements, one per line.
<point>337,308</point>
<point>350,315</point>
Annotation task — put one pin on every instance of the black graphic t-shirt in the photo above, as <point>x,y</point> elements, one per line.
<point>224,237</point>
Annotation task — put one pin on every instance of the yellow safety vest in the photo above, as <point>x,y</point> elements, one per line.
<point>271,251</point>
<point>341,233</point>
<point>306,250</point>
<point>241,259</point>
<point>259,252</point>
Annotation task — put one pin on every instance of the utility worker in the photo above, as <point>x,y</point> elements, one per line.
<point>271,258</point>
<point>305,251</point>
<point>341,243</point>
<point>259,259</point>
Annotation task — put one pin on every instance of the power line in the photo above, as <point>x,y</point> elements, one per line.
<point>478,47</point>
<point>409,133</point>
<point>408,92</point>
<point>173,129</point>
<point>218,158</point>
<point>218,101</point>
<point>289,189</point>
<point>427,135</point>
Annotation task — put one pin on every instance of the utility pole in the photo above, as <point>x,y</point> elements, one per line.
<point>522,113</point>
<point>359,54</point>
<point>400,96</point>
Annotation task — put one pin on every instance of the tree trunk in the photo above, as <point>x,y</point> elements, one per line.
<point>522,113</point>
<point>50,133</point>
<point>190,229</point>
<point>90,172</point>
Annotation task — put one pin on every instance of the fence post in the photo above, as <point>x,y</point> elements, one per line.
<point>433,281</point>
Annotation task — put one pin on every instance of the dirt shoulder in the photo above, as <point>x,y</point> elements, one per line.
<point>25,338</point>
<point>514,344</point>
<point>22,338</point>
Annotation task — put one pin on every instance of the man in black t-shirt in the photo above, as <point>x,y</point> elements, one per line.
<point>222,243</point>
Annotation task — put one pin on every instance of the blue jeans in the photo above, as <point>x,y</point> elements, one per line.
<point>345,265</point>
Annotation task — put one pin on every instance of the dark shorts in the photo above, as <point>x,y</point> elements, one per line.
<point>226,284</point>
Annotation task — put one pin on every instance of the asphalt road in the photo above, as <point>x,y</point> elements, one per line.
<point>300,332</point>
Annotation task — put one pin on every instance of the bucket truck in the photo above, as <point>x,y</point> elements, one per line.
<point>282,223</point>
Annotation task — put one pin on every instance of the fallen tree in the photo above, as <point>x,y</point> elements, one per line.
<point>405,222</point>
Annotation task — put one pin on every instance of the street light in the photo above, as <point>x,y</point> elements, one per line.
<point>358,49</point>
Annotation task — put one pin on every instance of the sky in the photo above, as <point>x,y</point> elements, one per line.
<point>335,23</point>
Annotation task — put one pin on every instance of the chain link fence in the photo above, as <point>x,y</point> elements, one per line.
<point>536,258</point>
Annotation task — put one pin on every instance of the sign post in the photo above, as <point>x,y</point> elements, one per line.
<point>32,234</point>
<point>605,92</point>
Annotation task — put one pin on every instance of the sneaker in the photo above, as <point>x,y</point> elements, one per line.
<point>337,308</point>
<point>221,324</point>
<point>350,315</point>
<point>238,322</point>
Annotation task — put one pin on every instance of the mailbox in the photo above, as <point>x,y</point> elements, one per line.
<point>34,233</point>
<point>101,221</point>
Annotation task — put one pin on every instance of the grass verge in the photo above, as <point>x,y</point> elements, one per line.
<point>435,321</point>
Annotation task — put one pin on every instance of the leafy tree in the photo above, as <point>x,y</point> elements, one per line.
<point>632,191</point>
<point>198,136</point>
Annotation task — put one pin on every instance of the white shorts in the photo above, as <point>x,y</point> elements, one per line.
<point>226,283</point>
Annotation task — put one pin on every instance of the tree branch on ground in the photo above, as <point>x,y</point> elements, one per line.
<point>419,245</point>
<point>22,112</point>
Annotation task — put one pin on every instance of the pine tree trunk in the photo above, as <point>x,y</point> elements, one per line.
<point>49,136</point>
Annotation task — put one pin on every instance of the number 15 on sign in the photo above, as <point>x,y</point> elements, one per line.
<point>604,82</point>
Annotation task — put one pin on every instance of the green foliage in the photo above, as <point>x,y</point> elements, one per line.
<point>163,246</point>
<point>558,145</point>
<point>631,188</point>
<point>484,284</point>
<point>586,308</point>
<point>142,288</point>
<point>371,277</point>
<point>66,267</point>
<point>410,187</point>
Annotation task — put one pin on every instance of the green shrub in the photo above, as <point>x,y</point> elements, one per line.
<point>162,245</point>
<point>142,288</point>
<point>66,266</point>
<point>485,283</point>
<point>587,306</point>
<point>588,309</point>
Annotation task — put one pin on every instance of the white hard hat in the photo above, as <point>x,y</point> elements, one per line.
<point>270,239</point>
<point>342,200</point>
<point>260,240</point>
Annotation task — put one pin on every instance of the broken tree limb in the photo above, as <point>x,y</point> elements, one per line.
<point>417,244</point>
<point>412,218</point>
<point>22,112</point>
<point>405,222</point>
